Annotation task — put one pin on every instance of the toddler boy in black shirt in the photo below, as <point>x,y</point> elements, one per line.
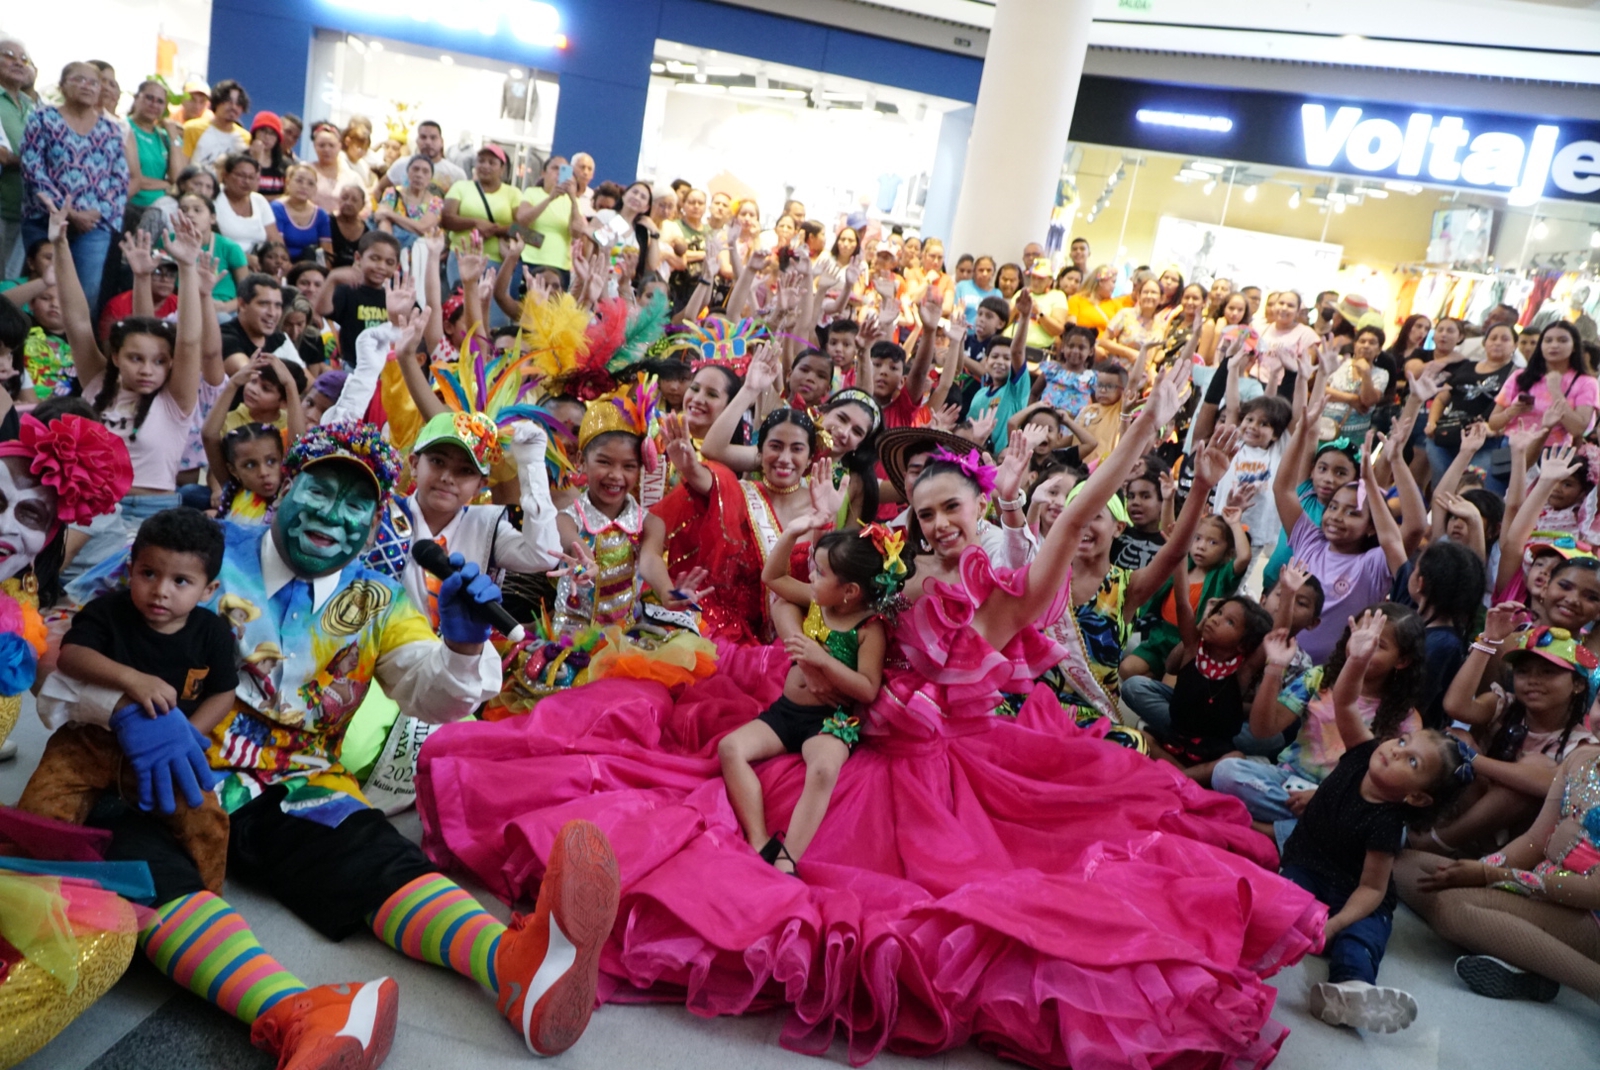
<point>164,651</point>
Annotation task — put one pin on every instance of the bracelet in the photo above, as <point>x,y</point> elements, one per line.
<point>1011,505</point>
<point>1490,642</point>
<point>1485,648</point>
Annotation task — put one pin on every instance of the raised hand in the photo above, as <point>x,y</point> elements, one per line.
<point>1502,621</point>
<point>1364,635</point>
<point>579,566</point>
<point>1213,462</point>
<point>511,247</point>
<point>207,270</point>
<point>184,240</point>
<point>1240,498</point>
<point>929,308</point>
<point>58,218</point>
<point>471,261</point>
<point>1558,462</point>
<point>764,372</point>
<point>1473,436</point>
<point>982,427</point>
<point>1524,438</point>
<point>1280,647</point>
<point>1294,575</point>
<point>946,418</point>
<point>399,297</point>
<point>136,251</point>
<point>1014,461</point>
<point>435,241</point>
<point>1455,505</point>
<point>1166,397</point>
<point>825,497</point>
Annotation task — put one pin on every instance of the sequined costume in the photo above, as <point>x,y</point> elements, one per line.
<point>842,647</point>
<point>615,545</point>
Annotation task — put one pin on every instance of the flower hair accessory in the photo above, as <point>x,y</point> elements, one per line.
<point>891,543</point>
<point>972,464</point>
<point>86,465</point>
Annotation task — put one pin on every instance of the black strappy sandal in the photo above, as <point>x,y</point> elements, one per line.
<point>774,849</point>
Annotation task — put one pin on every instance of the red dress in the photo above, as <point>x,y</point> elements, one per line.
<point>1023,884</point>
<point>727,532</point>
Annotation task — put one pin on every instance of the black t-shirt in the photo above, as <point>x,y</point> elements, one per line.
<point>1339,827</point>
<point>1471,398</point>
<point>355,308</point>
<point>235,340</point>
<point>197,661</point>
<point>1135,549</point>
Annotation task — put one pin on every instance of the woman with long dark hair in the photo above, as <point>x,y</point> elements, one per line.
<point>1557,375</point>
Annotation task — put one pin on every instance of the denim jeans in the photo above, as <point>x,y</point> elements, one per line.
<point>1152,701</point>
<point>89,252</point>
<point>1260,787</point>
<point>11,248</point>
<point>1353,954</point>
<point>1439,459</point>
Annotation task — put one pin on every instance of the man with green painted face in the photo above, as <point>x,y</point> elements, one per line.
<point>315,628</point>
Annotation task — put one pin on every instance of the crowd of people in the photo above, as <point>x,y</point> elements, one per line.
<point>1035,657</point>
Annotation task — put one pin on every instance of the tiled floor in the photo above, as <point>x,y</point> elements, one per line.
<point>447,1022</point>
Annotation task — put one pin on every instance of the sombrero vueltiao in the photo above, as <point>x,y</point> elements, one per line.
<point>895,444</point>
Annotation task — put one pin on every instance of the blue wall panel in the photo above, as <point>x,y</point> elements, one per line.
<point>604,71</point>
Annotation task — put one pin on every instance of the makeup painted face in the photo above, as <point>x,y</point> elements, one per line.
<point>325,517</point>
<point>27,512</point>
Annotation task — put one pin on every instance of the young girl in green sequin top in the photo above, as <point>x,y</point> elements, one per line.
<point>837,657</point>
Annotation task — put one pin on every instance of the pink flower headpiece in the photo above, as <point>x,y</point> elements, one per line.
<point>83,463</point>
<point>972,464</point>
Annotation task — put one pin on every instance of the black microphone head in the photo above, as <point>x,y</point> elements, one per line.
<point>431,556</point>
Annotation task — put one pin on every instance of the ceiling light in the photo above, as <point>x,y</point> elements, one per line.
<point>1189,174</point>
<point>1352,37</point>
<point>375,46</point>
<point>761,81</point>
<point>448,61</point>
<point>1378,193</point>
<point>1209,188</point>
<point>1594,240</point>
<point>516,73</point>
<point>658,68</point>
<point>1294,199</point>
<point>1208,167</point>
<point>1541,230</point>
<point>357,45</point>
<point>1475,221</point>
<point>1250,193</point>
<point>1412,188</point>
<point>1339,206</point>
<point>700,72</point>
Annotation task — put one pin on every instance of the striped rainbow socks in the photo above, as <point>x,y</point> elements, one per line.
<point>434,920</point>
<point>204,944</point>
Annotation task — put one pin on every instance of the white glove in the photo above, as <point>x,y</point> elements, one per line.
<point>528,443</point>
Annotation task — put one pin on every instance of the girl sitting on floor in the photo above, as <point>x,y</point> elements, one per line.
<point>1344,848</point>
<point>837,664</point>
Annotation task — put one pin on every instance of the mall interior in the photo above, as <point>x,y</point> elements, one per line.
<point>1432,156</point>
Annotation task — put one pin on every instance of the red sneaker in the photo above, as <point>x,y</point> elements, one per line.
<point>331,1027</point>
<point>548,965</point>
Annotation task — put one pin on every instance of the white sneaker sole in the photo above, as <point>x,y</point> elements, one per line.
<point>1378,1010</point>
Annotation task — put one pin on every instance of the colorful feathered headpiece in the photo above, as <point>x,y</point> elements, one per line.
<point>631,409</point>
<point>553,338</point>
<point>715,340</point>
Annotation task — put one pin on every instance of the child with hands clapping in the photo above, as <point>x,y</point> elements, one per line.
<point>837,663</point>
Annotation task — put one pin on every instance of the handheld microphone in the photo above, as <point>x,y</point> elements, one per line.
<point>431,556</point>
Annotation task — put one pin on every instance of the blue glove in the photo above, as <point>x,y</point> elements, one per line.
<point>164,750</point>
<point>459,597</point>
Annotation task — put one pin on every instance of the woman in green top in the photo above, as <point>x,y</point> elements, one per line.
<point>155,150</point>
<point>232,266</point>
<point>550,211</point>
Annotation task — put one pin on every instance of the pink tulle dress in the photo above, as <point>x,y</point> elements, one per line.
<point>1023,884</point>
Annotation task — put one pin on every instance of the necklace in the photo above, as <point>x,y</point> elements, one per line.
<point>782,491</point>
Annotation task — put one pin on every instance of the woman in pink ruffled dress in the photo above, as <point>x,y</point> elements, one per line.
<point>1021,883</point>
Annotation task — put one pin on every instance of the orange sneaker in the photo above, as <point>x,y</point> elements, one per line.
<point>331,1027</point>
<point>548,965</point>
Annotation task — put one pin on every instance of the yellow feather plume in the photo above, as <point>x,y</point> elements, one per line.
<point>552,335</point>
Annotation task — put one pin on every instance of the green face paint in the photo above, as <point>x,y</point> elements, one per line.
<point>325,517</point>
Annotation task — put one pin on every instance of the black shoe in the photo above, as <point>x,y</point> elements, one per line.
<point>1489,976</point>
<point>774,849</point>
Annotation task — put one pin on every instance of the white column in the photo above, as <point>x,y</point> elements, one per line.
<point>1019,131</point>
